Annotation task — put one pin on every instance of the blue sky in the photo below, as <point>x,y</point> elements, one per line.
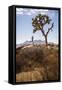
<point>24,28</point>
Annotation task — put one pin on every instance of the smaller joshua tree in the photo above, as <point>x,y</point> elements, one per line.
<point>32,39</point>
<point>39,22</point>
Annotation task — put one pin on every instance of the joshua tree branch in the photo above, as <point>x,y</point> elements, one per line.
<point>43,32</point>
<point>50,28</point>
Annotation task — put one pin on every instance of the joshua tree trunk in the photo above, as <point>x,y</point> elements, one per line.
<point>46,40</point>
<point>33,40</point>
<point>45,35</point>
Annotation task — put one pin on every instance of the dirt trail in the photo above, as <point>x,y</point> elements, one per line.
<point>29,76</point>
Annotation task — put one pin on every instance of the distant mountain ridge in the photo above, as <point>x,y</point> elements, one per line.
<point>36,42</point>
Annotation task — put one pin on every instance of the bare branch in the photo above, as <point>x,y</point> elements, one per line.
<point>43,32</point>
<point>50,28</point>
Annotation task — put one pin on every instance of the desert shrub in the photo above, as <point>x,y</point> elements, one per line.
<point>40,57</point>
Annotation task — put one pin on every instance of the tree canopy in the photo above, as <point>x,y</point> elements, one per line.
<point>39,21</point>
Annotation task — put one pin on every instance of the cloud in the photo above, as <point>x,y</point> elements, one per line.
<point>43,13</point>
<point>28,13</point>
<point>19,9</point>
<point>32,11</point>
<point>25,11</point>
<point>19,13</point>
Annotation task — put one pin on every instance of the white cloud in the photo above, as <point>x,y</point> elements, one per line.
<point>41,10</point>
<point>25,10</point>
<point>19,13</point>
<point>30,11</point>
<point>19,9</point>
<point>43,13</point>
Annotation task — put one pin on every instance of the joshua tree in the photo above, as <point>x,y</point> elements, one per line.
<point>32,39</point>
<point>39,22</point>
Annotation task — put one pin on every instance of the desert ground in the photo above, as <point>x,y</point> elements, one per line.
<point>37,63</point>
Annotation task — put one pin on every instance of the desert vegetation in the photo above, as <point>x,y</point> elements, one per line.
<point>37,62</point>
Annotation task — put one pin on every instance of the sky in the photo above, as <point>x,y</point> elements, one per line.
<point>24,28</point>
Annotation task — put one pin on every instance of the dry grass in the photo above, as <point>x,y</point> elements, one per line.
<point>37,63</point>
